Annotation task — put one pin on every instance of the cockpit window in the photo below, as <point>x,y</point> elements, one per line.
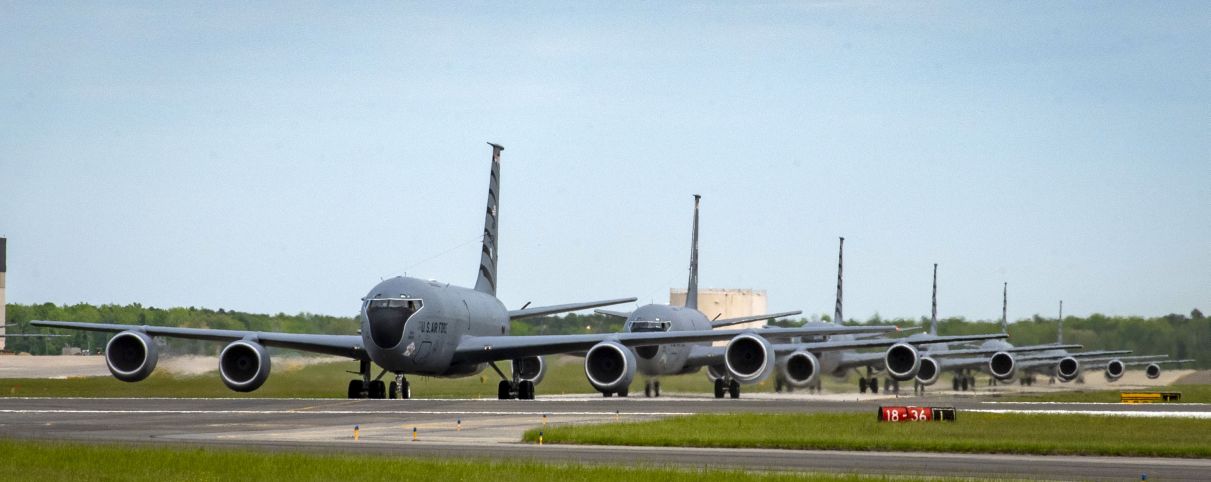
<point>387,317</point>
<point>641,326</point>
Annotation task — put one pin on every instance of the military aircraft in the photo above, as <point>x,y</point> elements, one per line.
<point>800,362</point>
<point>423,327</point>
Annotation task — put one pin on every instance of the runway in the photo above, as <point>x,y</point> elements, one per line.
<point>492,428</point>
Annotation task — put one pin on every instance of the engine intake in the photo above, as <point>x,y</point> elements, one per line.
<point>902,361</point>
<point>1002,366</point>
<point>244,365</point>
<point>928,373</point>
<point>131,356</point>
<point>1152,371</point>
<point>1068,369</point>
<point>609,366</point>
<point>800,369</point>
<point>530,369</point>
<point>749,358</point>
<point>1114,370</point>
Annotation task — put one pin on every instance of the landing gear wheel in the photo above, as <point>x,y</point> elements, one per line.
<point>525,390</point>
<point>356,389</point>
<point>504,390</point>
<point>647,389</point>
<point>777,385</point>
<point>874,385</point>
<point>719,388</point>
<point>963,385</point>
<point>861,385</point>
<point>405,390</point>
<point>624,392</point>
<point>955,382</point>
<point>378,390</point>
<point>656,387</point>
<point>393,390</point>
<point>607,394</point>
<point>733,389</point>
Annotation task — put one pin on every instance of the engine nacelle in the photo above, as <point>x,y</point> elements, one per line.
<point>1114,370</point>
<point>1002,366</point>
<point>1152,371</point>
<point>244,365</point>
<point>902,361</point>
<point>929,371</point>
<point>131,356</point>
<point>609,366</point>
<point>800,369</point>
<point>530,369</point>
<point>1068,369</point>
<point>749,358</point>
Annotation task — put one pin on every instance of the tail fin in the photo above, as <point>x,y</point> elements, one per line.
<point>837,318</point>
<point>486,282</point>
<point>691,292</point>
<point>1005,308</point>
<point>933,316</point>
<point>1060,336</point>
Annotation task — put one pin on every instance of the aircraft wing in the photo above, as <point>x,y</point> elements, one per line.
<point>705,355</point>
<point>479,349</point>
<point>616,314</point>
<point>550,310</point>
<point>1084,354</point>
<point>17,335</point>
<point>858,360</point>
<point>746,319</point>
<point>1158,362</point>
<point>341,345</point>
<point>991,351</point>
<point>819,346</point>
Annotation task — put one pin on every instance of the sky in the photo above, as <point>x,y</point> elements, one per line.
<point>286,157</point>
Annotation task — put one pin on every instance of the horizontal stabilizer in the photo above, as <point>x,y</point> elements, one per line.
<point>551,310</point>
<point>748,319</point>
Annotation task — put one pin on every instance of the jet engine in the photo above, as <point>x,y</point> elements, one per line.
<point>800,369</point>
<point>530,369</point>
<point>1068,369</point>
<point>1152,371</point>
<point>1002,366</point>
<point>610,367</point>
<point>244,365</point>
<point>131,356</point>
<point>749,358</point>
<point>928,373</point>
<point>902,361</point>
<point>1114,370</point>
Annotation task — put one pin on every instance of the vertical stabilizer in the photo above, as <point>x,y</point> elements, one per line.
<point>486,282</point>
<point>3,273</point>
<point>1060,334</point>
<point>691,291</point>
<point>1005,308</point>
<point>933,311</point>
<point>837,317</point>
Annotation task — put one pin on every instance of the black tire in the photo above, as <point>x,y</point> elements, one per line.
<point>733,389</point>
<point>624,392</point>
<point>656,387</point>
<point>504,390</point>
<point>874,385</point>
<point>356,389</point>
<point>378,390</point>
<point>392,390</point>
<point>405,390</point>
<point>719,388</point>
<point>955,382</point>
<point>861,385</point>
<point>777,385</point>
<point>607,394</point>
<point>525,390</point>
<point>963,385</point>
<point>647,389</point>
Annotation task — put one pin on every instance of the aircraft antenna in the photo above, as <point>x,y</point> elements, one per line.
<point>837,318</point>
<point>486,281</point>
<point>691,292</point>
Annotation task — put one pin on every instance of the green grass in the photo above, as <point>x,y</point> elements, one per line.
<point>565,375</point>
<point>42,460</point>
<point>1190,393</point>
<point>972,433</point>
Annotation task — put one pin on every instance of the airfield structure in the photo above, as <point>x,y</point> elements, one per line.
<point>726,303</point>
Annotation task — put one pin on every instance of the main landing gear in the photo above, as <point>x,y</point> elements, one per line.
<point>731,387</point>
<point>514,387</point>
<point>869,381</point>
<point>364,387</point>
<point>651,388</point>
<point>963,382</point>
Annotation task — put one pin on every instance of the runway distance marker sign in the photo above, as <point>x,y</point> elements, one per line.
<point>916,414</point>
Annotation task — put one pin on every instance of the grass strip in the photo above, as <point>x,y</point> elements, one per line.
<point>43,460</point>
<point>972,433</point>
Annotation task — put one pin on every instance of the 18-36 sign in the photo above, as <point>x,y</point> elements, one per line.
<point>916,414</point>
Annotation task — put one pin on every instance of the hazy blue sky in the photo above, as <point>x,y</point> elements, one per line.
<point>286,157</point>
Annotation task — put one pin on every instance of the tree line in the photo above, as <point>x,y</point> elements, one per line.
<point>1178,335</point>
